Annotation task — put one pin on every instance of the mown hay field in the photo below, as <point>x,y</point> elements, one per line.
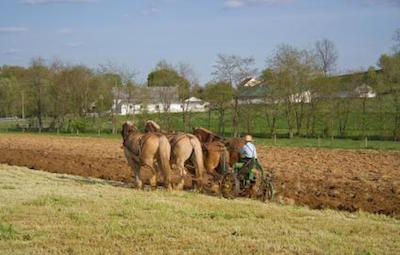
<point>44,213</point>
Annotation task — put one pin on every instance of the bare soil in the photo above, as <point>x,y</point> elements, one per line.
<point>319,178</point>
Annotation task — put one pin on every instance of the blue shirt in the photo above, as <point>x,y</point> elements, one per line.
<point>249,150</point>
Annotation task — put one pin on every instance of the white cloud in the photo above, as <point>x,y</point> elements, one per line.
<point>232,4</point>
<point>65,30</point>
<point>150,11</point>
<point>35,2</point>
<point>75,44</point>
<point>11,51</point>
<point>13,29</point>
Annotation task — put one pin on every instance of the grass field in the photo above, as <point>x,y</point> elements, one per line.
<point>379,121</point>
<point>42,213</point>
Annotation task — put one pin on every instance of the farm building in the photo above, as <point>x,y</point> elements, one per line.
<point>154,100</point>
<point>256,91</point>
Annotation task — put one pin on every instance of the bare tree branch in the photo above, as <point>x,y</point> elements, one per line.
<point>327,55</point>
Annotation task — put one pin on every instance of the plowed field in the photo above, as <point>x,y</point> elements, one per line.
<point>320,178</point>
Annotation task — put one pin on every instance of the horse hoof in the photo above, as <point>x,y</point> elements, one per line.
<point>179,187</point>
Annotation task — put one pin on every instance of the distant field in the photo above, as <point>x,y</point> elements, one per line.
<point>279,142</point>
<point>42,213</point>
<point>379,121</point>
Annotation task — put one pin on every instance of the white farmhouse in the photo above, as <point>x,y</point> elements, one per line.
<point>154,100</point>
<point>365,91</point>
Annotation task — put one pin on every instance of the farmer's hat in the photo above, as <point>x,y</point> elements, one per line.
<point>248,138</point>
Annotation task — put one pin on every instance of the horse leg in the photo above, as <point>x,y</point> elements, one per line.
<point>135,168</point>
<point>181,166</point>
<point>166,177</point>
<point>149,163</point>
<point>211,167</point>
<point>199,181</point>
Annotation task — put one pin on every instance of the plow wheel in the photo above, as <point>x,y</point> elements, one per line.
<point>261,188</point>
<point>266,191</point>
<point>230,186</point>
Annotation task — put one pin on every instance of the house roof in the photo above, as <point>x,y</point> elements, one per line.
<point>193,100</point>
<point>249,82</point>
<point>254,92</point>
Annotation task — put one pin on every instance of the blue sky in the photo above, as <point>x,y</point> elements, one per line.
<point>138,34</point>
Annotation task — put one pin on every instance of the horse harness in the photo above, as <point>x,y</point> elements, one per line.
<point>140,142</point>
<point>175,138</point>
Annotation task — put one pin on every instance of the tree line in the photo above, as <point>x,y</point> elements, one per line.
<point>300,88</point>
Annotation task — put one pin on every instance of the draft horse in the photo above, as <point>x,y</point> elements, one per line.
<point>142,150</point>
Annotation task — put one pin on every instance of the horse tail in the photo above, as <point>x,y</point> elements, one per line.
<point>164,151</point>
<point>198,156</point>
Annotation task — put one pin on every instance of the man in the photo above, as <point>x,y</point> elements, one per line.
<point>248,151</point>
<point>249,157</point>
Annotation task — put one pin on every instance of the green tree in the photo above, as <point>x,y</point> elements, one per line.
<point>233,69</point>
<point>291,70</point>
<point>391,78</point>
<point>370,82</point>
<point>272,101</point>
<point>166,76</point>
<point>219,95</point>
<point>320,90</point>
<point>12,90</point>
<point>38,86</point>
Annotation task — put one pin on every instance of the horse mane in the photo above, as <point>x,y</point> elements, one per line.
<point>206,135</point>
<point>151,126</point>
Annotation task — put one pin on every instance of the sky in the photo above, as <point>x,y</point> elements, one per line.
<point>138,34</point>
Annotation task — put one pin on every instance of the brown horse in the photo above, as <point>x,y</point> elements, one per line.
<point>217,156</point>
<point>183,147</point>
<point>233,145</point>
<point>142,149</point>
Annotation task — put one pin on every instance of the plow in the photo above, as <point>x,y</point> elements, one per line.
<point>206,156</point>
<point>247,180</point>
<point>232,178</point>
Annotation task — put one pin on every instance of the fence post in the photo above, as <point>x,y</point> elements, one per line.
<point>319,142</point>
<point>98,132</point>
<point>274,139</point>
<point>366,142</point>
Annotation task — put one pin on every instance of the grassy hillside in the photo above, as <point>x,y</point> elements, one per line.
<point>42,213</point>
<point>379,120</point>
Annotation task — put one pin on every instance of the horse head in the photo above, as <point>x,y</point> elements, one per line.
<point>127,128</point>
